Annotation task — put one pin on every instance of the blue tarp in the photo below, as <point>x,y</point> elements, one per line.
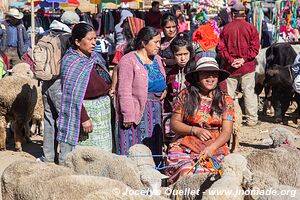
<point>58,1</point>
<point>46,4</point>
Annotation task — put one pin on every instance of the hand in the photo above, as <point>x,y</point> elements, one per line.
<point>201,133</point>
<point>163,95</point>
<point>87,126</point>
<point>127,124</point>
<point>111,93</point>
<point>208,152</point>
<point>237,63</point>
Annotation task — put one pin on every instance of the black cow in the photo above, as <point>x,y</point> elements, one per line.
<point>279,59</point>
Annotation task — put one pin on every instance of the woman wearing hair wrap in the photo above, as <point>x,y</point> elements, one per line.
<point>85,106</point>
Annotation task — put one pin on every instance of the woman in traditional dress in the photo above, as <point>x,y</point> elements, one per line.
<point>183,51</point>
<point>202,121</point>
<point>141,85</point>
<point>182,24</point>
<point>131,26</point>
<point>85,107</point>
<point>170,30</point>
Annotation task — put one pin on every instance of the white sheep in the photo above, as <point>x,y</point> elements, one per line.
<point>97,162</point>
<point>29,180</point>
<point>282,135</point>
<point>150,177</point>
<point>229,186</point>
<point>274,167</point>
<point>137,171</point>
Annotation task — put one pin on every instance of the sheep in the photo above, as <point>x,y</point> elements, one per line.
<point>191,182</point>
<point>37,121</point>
<point>17,106</point>
<point>150,177</point>
<point>281,136</point>
<point>37,125</point>
<point>31,171</point>
<point>97,162</point>
<point>229,186</point>
<point>43,181</point>
<point>238,120</point>
<point>137,171</point>
<point>274,167</point>
<point>280,192</point>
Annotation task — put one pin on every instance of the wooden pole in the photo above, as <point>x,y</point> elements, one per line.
<point>32,28</point>
<point>260,20</point>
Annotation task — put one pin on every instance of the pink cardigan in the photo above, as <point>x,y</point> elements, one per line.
<point>133,87</point>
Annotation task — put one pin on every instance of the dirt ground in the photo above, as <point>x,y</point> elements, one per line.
<point>250,139</point>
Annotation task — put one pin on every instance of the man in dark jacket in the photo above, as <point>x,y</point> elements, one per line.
<point>239,45</point>
<point>152,17</point>
<point>14,40</point>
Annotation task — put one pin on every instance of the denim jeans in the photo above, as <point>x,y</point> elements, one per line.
<point>52,92</point>
<point>65,148</point>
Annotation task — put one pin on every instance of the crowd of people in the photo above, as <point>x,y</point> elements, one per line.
<point>161,68</point>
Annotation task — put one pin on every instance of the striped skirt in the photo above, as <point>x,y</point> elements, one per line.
<point>148,131</point>
<point>183,163</point>
<point>99,111</point>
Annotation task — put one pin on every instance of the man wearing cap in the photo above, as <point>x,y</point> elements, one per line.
<point>239,45</point>
<point>14,40</point>
<point>52,89</point>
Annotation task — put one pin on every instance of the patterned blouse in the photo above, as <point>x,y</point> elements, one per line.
<point>156,80</point>
<point>202,117</point>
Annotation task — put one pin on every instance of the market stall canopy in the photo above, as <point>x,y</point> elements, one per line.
<point>131,1</point>
<point>70,3</point>
<point>110,6</point>
<point>180,1</point>
<point>112,1</point>
<point>47,3</point>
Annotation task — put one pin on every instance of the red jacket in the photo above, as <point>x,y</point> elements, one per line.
<point>153,19</point>
<point>239,39</point>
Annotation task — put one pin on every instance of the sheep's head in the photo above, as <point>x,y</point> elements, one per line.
<point>235,165</point>
<point>151,179</point>
<point>281,136</point>
<point>22,69</point>
<point>141,155</point>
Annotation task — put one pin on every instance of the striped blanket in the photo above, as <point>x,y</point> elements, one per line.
<point>76,69</point>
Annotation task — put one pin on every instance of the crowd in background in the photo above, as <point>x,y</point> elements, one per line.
<point>174,81</point>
